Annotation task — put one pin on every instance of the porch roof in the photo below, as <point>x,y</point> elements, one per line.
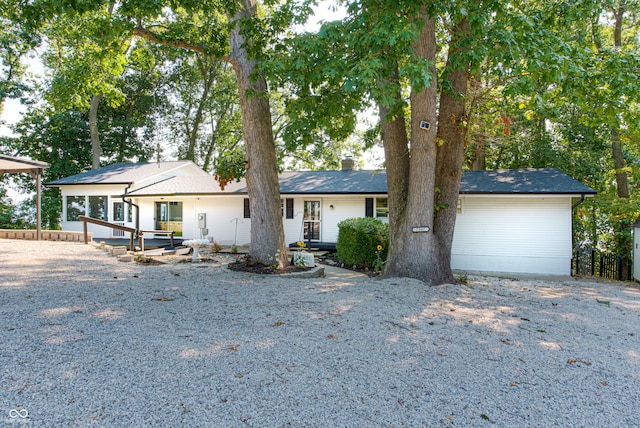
<point>16,165</point>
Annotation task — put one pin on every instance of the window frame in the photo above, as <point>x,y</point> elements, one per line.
<point>82,198</point>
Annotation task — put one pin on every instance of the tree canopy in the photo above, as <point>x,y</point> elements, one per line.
<point>455,85</point>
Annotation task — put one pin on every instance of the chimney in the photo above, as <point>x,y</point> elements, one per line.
<point>348,163</point>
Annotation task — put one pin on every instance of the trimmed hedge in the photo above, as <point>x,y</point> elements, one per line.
<point>358,240</point>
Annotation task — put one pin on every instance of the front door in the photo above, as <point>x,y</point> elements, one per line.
<point>118,217</point>
<point>311,220</point>
<point>169,217</point>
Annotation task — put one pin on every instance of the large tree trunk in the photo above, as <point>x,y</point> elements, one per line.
<point>396,152</point>
<point>96,150</point>
<point>414,250</point>
<point>267,232</point>
<point>452,132</point>
<point>208,73</point>
<point>616,146</point>
<point>622,183</point>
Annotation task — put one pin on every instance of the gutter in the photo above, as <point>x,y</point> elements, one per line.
<point>128,202</point>
<point>577,204</point>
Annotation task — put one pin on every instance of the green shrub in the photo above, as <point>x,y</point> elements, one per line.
<point>358,241</point>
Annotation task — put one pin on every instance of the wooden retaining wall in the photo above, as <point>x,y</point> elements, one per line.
<point>47,235</point>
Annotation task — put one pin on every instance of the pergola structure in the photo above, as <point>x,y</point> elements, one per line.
<point>16,165</point>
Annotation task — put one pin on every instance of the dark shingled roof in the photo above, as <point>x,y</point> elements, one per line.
<point>524,181</point>
<point>544,181</point>
<point>119,173</point>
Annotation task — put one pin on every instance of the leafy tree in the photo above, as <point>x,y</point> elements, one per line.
<point>18,38</point>
<point>87,53</point>
<point>235,32</point>
<point>204,115</point>
<point>386,52</point>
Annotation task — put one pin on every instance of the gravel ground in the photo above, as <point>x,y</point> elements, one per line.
<point>86,340</point>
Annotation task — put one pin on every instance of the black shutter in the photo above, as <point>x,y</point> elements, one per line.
<point>247,210</point>
<point>289,207</point>
<point>368,207</point>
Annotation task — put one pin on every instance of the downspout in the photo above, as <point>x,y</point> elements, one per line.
<point>573,237</point>
<point>128,202</point>
<point>577,204</point>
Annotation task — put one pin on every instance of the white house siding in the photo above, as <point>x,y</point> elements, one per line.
<point>343,208</point>
<point>221,214</point>
<point>513,234</point>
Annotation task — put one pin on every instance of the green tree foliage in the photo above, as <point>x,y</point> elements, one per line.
<point>204,116</point>
<point>18,38</point>
<point>235,32</point>
<point>576,111</point>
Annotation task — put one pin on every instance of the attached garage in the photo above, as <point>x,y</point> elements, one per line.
<point>517,234</point>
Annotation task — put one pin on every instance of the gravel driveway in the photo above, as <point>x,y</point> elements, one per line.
<point>86,340</point>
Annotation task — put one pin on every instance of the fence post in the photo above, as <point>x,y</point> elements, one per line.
<point>600,267</point>
<point>618,268</point>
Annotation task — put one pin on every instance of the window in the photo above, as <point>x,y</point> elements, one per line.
<point>98,207</point>
<point>129,213</point>
<point>118,211</point>
<point>382,207</point>
<point>76,206</point>
<point>376,207</point>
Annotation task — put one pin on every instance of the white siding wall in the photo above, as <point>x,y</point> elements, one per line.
<point>343,208</point>
<point>513,234</point>
<point>222,214</point>
<point>293,226</point>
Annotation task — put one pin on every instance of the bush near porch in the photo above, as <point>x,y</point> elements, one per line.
<point>358,241</point>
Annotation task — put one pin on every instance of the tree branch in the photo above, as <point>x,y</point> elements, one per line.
<point>180,44</point>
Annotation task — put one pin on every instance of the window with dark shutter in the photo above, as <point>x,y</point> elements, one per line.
<point>289,208</point>
<point>368,207</point>
<point>247,210</point>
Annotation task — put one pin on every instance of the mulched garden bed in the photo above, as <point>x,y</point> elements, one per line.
<point>260,268</point>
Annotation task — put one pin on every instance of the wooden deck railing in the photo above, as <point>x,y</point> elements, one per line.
<point>86,220</point>
<point>131,230</point>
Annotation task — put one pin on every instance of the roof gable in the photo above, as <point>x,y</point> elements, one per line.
<point>126,173</point>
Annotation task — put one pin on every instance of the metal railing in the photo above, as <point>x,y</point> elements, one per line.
<point>589,262</point>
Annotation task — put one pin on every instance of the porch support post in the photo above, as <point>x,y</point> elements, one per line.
<point>38,206</point>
